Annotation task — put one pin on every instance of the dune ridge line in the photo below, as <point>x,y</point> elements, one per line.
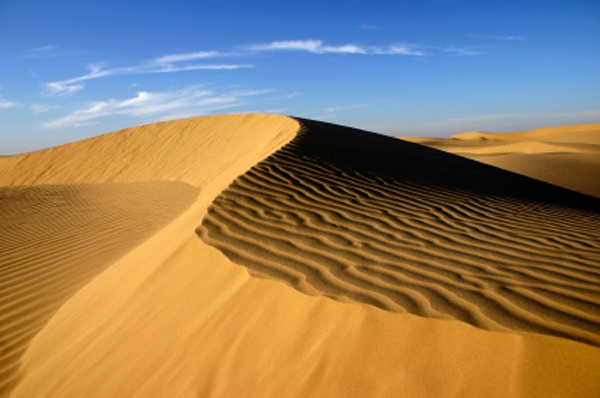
<point>365,218</point>
<point>163,313</point>
<point>68,213</point>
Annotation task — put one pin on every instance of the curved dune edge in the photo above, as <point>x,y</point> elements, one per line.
<point>197,325</point>
<point>183,320</point>
<point>370,219</point>
<point>69,212</point>
<point>196,151</point>
<point>567,156</point>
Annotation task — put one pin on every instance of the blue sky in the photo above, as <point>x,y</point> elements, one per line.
<point>71,69</point>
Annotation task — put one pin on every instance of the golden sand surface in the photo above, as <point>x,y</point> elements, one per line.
<point>567,156</point>
<point>260,255</point>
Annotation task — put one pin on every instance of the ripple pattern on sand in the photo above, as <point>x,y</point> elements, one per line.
<point>362,218</point>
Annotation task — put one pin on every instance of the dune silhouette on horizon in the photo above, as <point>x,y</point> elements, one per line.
<point>265,255</point>
<point>566,156</point>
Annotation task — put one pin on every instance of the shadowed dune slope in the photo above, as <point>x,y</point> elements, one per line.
<point>567,156</point>
<point>366,218</point>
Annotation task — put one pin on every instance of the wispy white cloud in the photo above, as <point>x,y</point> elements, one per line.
<point>64,88</point>
<point>313,46</point>
<point>42,49</point>
<point>318,47</point>
<point>71,86</point>
<point>41,108</point>
<point>506,38</point>
<point>400,49</point>
<point>461,50</point>
<point>188,61</point>
<point>192,56</point>
<point>193,100</point>
<point>165,64</point>
<point>498,37</point>
<point>4,104</point>
<point>51,51</point>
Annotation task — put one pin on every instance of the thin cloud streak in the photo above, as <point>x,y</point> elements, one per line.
<point>42,49</point>
<point>506,38</point>
<point>167,59</point>
<point>7,104</point>
<point>193,100</point>
<point>182,62</point>
<point>318,47</point>
<point>41,108</point>
<point>50,51</point>
<point>165,64</point>
<point>399,49</point>
<point>461,51</point>
<point>499,37</point>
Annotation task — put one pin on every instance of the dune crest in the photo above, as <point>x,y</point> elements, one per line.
<point>183,214</point>
<point>195,151</point>
<point>359,217</point>
<point>69,212</point>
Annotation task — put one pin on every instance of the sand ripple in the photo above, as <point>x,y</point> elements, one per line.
<point>56,238</point>
<point>364,218</point>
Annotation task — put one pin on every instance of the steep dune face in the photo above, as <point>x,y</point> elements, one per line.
<point>386,228</point>
<point>567,156</point>
<point>359,217</point>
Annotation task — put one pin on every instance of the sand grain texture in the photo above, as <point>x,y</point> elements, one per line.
<point>259,255</point>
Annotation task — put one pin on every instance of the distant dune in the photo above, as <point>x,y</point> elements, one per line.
<point>261,255</point>
<point>567,156</point>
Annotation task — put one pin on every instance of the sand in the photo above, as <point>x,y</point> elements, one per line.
<point>261,255</point>
<point>567,156</point>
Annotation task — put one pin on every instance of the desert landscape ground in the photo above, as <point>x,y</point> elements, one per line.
<point>268,256</point>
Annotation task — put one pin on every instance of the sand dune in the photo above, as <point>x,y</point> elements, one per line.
<point>68,213</point>
<point>56,238</point>
<point>150,262</point>
<point>567,156</point>
<point>408,229</point>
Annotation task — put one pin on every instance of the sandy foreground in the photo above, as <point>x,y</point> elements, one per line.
<point>265,256</point>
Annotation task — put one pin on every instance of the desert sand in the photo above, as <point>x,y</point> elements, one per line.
<point>266,256</point>
<point>567,156</point>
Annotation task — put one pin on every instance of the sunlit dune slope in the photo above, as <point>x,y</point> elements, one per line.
<point>56,238</point>
<point>195,151</point>
<point>69,212</point>
<point>568,156</point>
<point>260,255</point>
